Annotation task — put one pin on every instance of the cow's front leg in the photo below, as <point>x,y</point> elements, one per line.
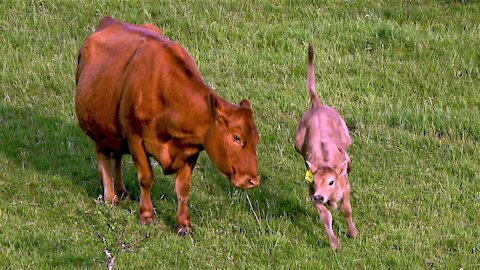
<point>145,179</point>
<point>326,218</point>
<point>182,188</point>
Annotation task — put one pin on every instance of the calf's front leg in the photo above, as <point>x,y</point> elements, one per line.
<point>326,218</point>
<point>347,213</point>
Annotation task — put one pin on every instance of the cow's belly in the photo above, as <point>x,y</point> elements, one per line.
<point>172,156</point>
<point>100,124</point>
<point>106,140</point>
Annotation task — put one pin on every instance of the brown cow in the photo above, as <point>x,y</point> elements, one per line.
<point>142,94</point>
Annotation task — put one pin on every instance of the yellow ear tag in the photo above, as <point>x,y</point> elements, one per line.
<point>309,176</point>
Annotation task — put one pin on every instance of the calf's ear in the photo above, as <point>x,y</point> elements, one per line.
<point>313,168</point>
<point>244,103</point>
<point>344,167</point>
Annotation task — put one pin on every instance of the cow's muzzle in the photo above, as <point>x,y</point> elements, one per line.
<point>246,181</point>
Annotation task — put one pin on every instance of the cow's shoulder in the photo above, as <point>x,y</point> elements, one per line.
<point>111,31</point>
<point>151,27</point>
<point>148,28</point>
<point>117,38</point>
<point>105,22</point>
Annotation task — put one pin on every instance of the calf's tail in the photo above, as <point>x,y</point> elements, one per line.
<point>311,79</point>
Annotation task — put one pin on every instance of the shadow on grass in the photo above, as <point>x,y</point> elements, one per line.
<point>271,201</point>
<point>45,144</point>
<point>31,140</point>
<point>55,146</point>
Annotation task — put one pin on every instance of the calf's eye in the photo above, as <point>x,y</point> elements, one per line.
<point>236,138</point>
<point>331,183</point>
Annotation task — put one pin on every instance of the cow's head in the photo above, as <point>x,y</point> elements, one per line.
<point>231,141</point>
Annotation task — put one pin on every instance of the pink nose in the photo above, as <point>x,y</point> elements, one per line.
<point>253,182</point>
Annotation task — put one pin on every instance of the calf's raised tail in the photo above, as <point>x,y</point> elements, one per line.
<point>311,79</point>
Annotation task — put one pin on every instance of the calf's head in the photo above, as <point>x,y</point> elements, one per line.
<point>231,141</point>
<point>325,180</point>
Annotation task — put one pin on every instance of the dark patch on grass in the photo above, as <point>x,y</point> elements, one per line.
<point>70,261</point>
<point>438,125</point>
<point>47,144</point>
<point>54,146</point>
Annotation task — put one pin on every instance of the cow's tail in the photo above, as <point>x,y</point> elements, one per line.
<point>79,66</point>
<point>311,79</point>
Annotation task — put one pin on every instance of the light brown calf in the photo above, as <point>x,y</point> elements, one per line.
<point>322,139</point>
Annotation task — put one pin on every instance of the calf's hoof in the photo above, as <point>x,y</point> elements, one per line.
<point>184,230</point>
<point>352,233</point>
<point>335,245</point>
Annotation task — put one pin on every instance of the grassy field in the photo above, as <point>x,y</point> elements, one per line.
<point>405,75</point>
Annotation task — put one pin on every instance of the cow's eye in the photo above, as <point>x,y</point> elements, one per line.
<point>236,138</point>
<point>331,183</point>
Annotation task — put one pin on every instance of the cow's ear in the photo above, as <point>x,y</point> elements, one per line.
<point>313,168</point>
<point>221,121</point>
<point>244,103</point>
<point>213,104</point>
<point>216,109</point>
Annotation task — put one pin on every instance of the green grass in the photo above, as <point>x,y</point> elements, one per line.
<point>404,74</point>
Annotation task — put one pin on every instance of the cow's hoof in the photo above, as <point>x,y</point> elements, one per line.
<point>150,220</point>
<point>110,202</point>
<point>110,199</point>
<point>123,196</point>
<point>184,231</point>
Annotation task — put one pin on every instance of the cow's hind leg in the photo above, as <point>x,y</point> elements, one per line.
<point>120,190</point>
<point>105,170</point>
<point>182,188</point>
<point>145,179</point>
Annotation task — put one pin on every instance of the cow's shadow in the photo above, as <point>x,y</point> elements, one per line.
<point>43,143</point>
<point>57,146</point>
<point>51,145</point>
